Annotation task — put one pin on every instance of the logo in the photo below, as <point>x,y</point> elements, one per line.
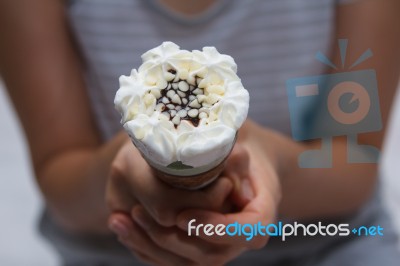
<point>279,229</point>
<point>339,104</point>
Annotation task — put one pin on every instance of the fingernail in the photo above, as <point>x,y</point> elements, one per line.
<point>139,217</point>
<point>119,228</point>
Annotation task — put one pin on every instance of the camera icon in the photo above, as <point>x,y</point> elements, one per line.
<point>340,104</point>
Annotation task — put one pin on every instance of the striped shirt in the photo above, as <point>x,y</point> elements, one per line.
<point>271,41</point>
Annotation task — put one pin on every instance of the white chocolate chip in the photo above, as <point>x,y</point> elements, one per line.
<point>183,86</point>
<point>176,120</point>
<point>156,93</point>
<point>193,113</point>
<point>173,113</point>
<point>171,106</point>
<point>164,116</point>
<point>178,107</point>
<point>202,84</point>
<point>182,113</point>
<point>198,91</point>
<point>169,76</point>
<point>201,98</point>
<point>160,107</point>
<point>184,101</point>
<point>212,98</point>
<point>171,93</point>
<point>204,110</point>
<point>203,115</point>
<point>192,97</point>
<point>176,99</point>
<point>175,86</point>
<point>191,80</point>
<point>194,104</point>
<point>181,93</point>
<point>165,100</point>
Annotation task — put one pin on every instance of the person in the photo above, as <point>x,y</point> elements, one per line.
<point>60,61</point>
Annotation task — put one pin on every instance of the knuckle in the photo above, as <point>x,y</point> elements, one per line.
<point>116,172</point>
<point>163,216</point>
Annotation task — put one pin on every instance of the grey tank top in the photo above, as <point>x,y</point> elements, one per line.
<point>271,41</point>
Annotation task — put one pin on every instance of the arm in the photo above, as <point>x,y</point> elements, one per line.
<point>43,75</point>
<point>314,193</point>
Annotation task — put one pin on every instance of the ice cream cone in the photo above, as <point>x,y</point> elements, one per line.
<point>182,111</point>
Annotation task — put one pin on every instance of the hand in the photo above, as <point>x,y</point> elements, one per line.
<point>131,182</point>
<point>159,245</point>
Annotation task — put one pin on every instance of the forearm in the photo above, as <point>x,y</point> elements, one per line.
<point>309,193</point>
<point>73,184</point>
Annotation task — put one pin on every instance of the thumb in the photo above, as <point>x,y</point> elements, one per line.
<point>237,169</point>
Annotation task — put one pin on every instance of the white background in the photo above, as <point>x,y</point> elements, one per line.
<point>20,202</point>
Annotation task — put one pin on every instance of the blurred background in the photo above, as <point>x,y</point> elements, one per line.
<point>20,201</point>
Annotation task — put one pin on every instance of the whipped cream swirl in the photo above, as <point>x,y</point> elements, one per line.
<point>182,106</point>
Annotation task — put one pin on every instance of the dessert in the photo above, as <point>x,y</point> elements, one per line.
<point>182,110</point>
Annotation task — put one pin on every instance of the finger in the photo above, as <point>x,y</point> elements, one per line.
<point>165,211</point>
<point>118,195</point>
<point>178,242</point>
<point>260,209</point>
<point>138,242</point>
<point>237,169</point>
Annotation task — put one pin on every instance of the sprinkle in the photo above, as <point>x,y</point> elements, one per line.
<point>160,107</point>
<point>169,76</point>
<point>193,113</point>
<point>165,100</point>
<point>181,93</point>
<point>176,120</point>
<point>205,110</point>
<point>164,116</point>
<point>198,91</point>
<point>191,80</point>
<point>194,104</point>
<point>201,98</point>
<point>183,86</point>
<point>203,115</point>
<point>182,113</point>
<point>176,99</point>
<point>156,93</point>
<point>171,93</point>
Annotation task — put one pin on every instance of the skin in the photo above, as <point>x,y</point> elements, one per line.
<point>77,172</point>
